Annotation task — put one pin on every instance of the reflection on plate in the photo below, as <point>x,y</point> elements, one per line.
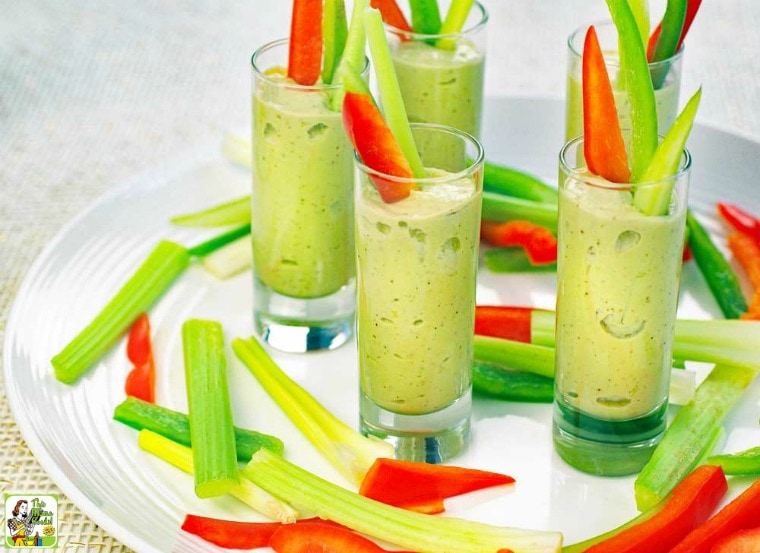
<point>142,501</point>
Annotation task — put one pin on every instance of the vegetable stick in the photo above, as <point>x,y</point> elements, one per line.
<point>305,45</point>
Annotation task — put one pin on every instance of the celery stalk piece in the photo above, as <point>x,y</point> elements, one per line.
<point>512,182</point>
<point>345,448</point>
<point>691,433</point>
<point>517,355</point>
<point>209,246</point>
<point>238,149</point>
<point>163,265</point>
<point>210,413</point>
<point>453,23</point>
<point>542,327</point>
<point>654,200</point>
<point>426,17</point>
<point>423,533</point>
<point>141,415</point>
<point>334,32</point>
<point>246,491</point>
<point>234,212</point>
<point>499,207</point>
<point>634,71</point>
<point>230,260</point>
<point>390,92</point>
<point>353,53</point>
<point>640,9</point>
<point>745,462</point>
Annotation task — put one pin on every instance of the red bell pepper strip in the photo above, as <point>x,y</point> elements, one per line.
<point>742,513</point>
<point>690,504</point>
<point>313,537</point>
<point>391,14</point>
<point>740,220</point>
<point>603,145</point>
<point>305,50</point>
<point>691,12</point>
<point>141,380</point>
<point>504,321</point>
<point>539,242</point>
<point>744,541</point>
<point>422,487</point>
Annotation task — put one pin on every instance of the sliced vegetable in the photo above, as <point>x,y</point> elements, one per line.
<point>500,208</point>
<point>426,17</point>
<point>504,321</point>
<point>453,23</point>
<point>741,220</point>
<point>520,356</point>
<point>391,14</point>
<point>246,491</point>
<point>744,541</point>
<point>742,513</point>
<point>420,532</point>
<point>508,384</point>
<point>210,413</point>
<point>539,243</point>
<point>422,487</point>
<point>718,274</point>
<point>670,30</point>
<point>747,252</point>
<point>232,259</point>
<point>354,59</point>
<point>150,280</point>
<point>305,45</point>
<point>691,12</point>
<point>691,434</point>
<point>512,182</point>
<point>209,246</point>
<point>234,212</point>
<point>334,35</point>
<point>141,380</point>
<point>640,9</point>
<point>583,546</point>
<point>175,426</point>
<point>230,534</point>
<point>310,537</point>
<point>346,449</point>
<point>603,146</point>
<point>513,260</point>
<point>237,148</point>
<point>741,463</point>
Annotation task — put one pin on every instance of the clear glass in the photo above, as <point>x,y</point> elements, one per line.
<point>441,76</point>
<point>666,78</point>
<point>416,274</point>
<point>618,273</point>
<point>302,210</point>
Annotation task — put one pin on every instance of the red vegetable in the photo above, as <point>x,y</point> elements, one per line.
<point>603,146</point>
<point>503,321</point>
<point>422,487</point>
<point>747,252</point>
<point>740,220</point>
<point>744,541</point>
<point>691,12</point>
<point>690,504</point>
<point>305,50</point>
<point>391,14</point>
<point>376,145</point>
<point>316,537</point>
<point>742,513</point>
<point>141,380</point>
<point>539,242</point>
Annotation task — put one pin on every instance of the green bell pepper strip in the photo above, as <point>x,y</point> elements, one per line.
<point>217,242</point>
<point>742,463</point>
<point>640,9</point>
<point>426,17</point>
<point>512,385</point>
<point>670,34</point>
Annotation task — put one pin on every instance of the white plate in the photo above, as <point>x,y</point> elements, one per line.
<point>141,500</point>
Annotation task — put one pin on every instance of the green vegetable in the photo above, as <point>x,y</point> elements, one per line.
<point>581,547</point>
<point>334,34</point>
<point>209,246</point>
<point>353,52</point>
<point>672,25</point>
<point>513,260</point>
<point>742,463</point>
<point>426,17</point>
<point>455,19</point>
<point>509,181</point>
<point>235,212</point>
<point>238,148</point>
<point>163,265</point>
<point>692,433</point>
<point>511,385</point>
<point>175,426</point>
<point>423,533</point>
<point>500,208</point>
<point>518,355</point>
<point>718,274</point>
<point>230,260</point>
<point>346,449</point>
<point>246,491</point>
<point>640,10</point>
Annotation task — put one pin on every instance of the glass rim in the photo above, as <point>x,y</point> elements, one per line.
<point>580,173</point>
<point>259,72</point>
<point>411,35</point>
<point>580,31</point>
<point>477,162</point>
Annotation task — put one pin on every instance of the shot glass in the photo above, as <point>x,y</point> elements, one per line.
<point>666,79</point>
<point>441,75</point>
<point>302,210</point>
<point>618,272</point>
<point>416,271</point>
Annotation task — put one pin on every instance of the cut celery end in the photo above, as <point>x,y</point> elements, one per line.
<point>423,533</point>
<point>517,355</point>
<point>210,414</point>
<point>232,259</point>
<point>246,491</point>
<point>234,212</point>
<point>345,448</point>
<point>163,265</point>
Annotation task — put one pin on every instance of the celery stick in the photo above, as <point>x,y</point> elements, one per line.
<point>209,246</point>
<point>246,491</point>
<point>426,17</point>
<point>165,263</point>
<point>455,18</point>
<point>498,207</point>
<point>235,212</point>
<point>691,433</point>
<point>345,448</point>
<point>334,31</point>
<point>509,181</point>
<point>210,413</point>
<point>175,426</point>
<point>517,355</point>
<point>238,148</point>
<point>353,53</point>
<point>419,532</point>
<point>655,200</point>
<point>390,92</point>
<point>232,259</point>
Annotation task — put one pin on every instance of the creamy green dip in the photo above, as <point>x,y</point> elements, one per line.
<point>616,302</point>
<point>417,262</point>
<point>302,212</point>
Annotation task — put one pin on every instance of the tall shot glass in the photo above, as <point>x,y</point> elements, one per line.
<point>302,210</point>
<point>666,79</point>
<point>618,273</point>
<point>416,274</point>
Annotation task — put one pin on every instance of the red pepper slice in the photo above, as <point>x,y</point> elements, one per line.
<point>742,513</point>
<point>603,144</point>
<point>691,11</point>
<point>391,14</point>
<point>376,145</point>
<point>314,537</point>
<point>305,49</point>
<point>744,541</point>
<point>690,504</point>
<point>503,321</point>
<point>740,220</point>
<point>422,487</point>
<point>539,242</point>
<point>141,380</point>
